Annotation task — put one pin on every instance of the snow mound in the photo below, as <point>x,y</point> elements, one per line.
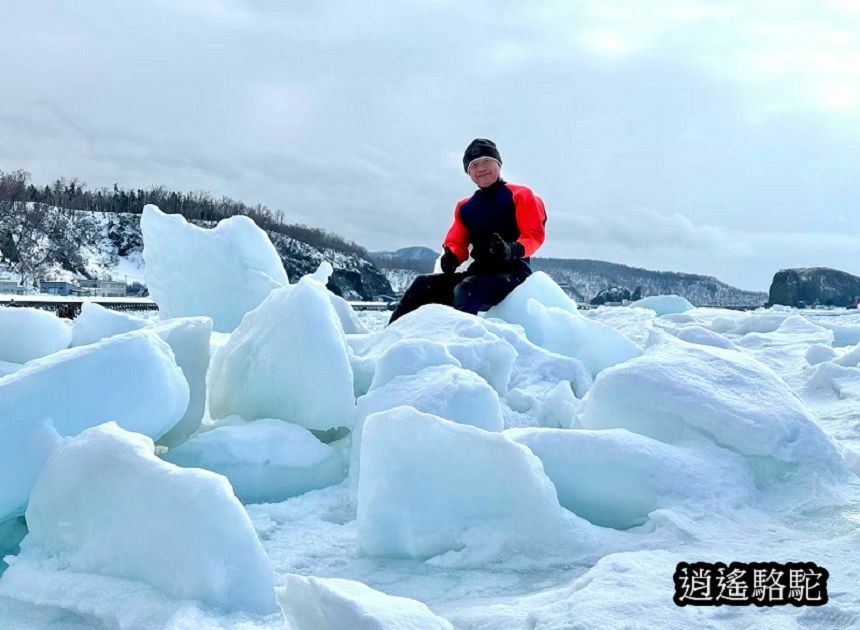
<point>677,392</point>
<point>664,304</point>
<point>30,333</point>
<point>704,336</point>
<point>615,478</point>
<point>818,353</point>
<point>429,486</point>
<point>849,358</point>
<point>266,460</point>
<point>288,360</point>
<point>106,504</point>
<point>758,322</point>
<point>97,322</point>
<point>336,604</point>
<point>844,334</point>
<point>188,338</point>
<point>221,273</point>
<point>78,388</point>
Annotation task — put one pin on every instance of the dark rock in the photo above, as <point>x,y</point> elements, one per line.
<point>815,285</point>
<point>354,278</point>
<point>611,294</point>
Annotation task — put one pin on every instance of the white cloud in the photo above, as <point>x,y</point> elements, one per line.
<point>686,130</point>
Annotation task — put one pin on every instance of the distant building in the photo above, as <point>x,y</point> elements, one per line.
<point>10,287</point>
<point>104,288</point>
<point>59,287</point>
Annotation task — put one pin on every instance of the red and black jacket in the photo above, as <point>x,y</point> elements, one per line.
<point>513,211</point>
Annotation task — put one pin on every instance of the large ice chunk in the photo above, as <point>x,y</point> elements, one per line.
<point>540,287</point>
<point>616,478</point>
<point>678,392</point>
<point>410,356</point>
<point>348,319</point>
<point>221,273</point>
<point>106,504</point>
<point>467,338</point>
<point>597,345</point>
<point>189,338</point>
<point>664,304</point>
<point>7,367</point>
<point>132,379</point>
<point>550,320</point>
<point>266,461</point>
<point>29,333</point>
<point>97,322</point>
<point>429,486</point>
<point>288,360</point>
<point>445,391</point>
<point>336,604</point>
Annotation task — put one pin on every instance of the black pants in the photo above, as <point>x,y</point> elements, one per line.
<point>466,292</point>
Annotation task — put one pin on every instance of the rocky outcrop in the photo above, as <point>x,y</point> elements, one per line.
<point>612,295</point>
<point>353,278</point>
<point>814,285</point>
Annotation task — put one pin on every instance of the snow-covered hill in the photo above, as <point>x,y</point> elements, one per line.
<point>586,278</point>
<point>38,241</point>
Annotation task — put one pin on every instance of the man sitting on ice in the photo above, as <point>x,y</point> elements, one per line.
<point>504,225</point>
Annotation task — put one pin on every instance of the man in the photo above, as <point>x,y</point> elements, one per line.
<point>504,225</point>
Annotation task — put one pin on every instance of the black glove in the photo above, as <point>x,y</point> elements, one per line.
<point>496,249</point>
<point>449,262</point>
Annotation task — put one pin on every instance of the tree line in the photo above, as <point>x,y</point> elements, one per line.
<point>16,188</point>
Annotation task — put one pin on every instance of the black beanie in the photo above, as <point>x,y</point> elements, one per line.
<point>480,148</point>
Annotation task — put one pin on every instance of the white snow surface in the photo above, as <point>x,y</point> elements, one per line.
<point>131,379</point>
<point>30,333</point>
<point>336,604</point>
<point>220,273</point>
<point>266,460</point>
<point>105,504</point>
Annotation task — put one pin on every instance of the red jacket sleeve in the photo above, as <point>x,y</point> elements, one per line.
<point>531,218</point>
<point>457,239</point>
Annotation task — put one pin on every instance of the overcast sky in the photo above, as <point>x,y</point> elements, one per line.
<point>707,137</point>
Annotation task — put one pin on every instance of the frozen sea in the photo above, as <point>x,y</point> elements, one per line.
<point>629,587</point>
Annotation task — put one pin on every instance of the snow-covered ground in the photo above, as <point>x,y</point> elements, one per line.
<point>537,467</point>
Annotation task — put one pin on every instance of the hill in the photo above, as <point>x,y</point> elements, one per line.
<point>584,279</point>
<point>65,232</point>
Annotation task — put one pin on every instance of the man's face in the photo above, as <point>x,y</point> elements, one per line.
<point>484,172</point>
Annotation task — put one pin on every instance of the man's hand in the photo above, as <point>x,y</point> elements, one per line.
<point>449,261</point>
<point>496,249</point>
